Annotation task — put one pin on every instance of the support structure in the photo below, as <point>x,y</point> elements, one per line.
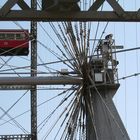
<point>105,122</point>
<point>102,119</point>
<point>57,12</point>
<point>33,74</point>
<point>50,80</point>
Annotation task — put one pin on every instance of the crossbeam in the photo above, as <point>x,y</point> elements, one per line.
<point>28,15</point>
<point>60,13</point>
<point>60,80</point>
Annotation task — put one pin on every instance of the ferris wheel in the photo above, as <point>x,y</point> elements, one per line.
<point>58,80</point>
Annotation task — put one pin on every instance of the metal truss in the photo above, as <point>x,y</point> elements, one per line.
<point>51,14</point>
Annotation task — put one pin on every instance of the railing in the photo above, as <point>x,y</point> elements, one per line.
<point>16,137</point>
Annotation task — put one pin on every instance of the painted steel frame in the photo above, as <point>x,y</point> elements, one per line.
<point>92,14</point>
<point>30,13</point>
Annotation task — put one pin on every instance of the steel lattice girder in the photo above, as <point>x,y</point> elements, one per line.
<point>28,15</point>
<point>92,14</point>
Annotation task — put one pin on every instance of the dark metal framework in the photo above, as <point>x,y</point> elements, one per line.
<point>28,13</point>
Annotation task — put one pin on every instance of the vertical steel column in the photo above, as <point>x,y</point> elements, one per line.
<point>34,73</point>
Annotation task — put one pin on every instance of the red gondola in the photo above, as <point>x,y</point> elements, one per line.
<point>14,42</point>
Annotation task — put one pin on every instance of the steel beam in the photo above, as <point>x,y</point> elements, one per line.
<point>33,96</point>
<point>7,6</point>
<point>50,80</point>
<point>29,13</point>
<point>116,7</point>
<point>23,5</point>
<point>36,15</point>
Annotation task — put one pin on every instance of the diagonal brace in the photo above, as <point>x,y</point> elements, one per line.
<point>113,3</point>
<point>116,7</point>
<point>138,13</point>
<point>96,5</point>
<point>10,3</point>
<point>7,7</point>
<point>23,5</point>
